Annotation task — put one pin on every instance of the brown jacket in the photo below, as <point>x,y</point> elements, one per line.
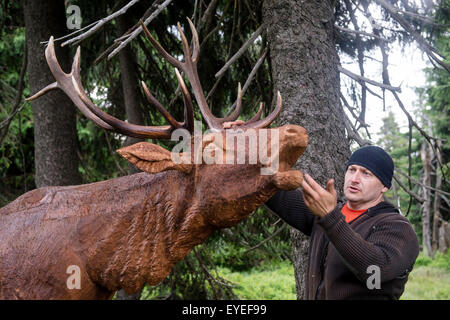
<point>345,259</point>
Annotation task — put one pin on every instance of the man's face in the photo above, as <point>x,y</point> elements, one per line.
<point>362,188</point>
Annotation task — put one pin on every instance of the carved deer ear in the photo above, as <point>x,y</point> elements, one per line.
<point>152,158</point>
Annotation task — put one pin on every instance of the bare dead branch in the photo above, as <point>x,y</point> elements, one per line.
<point>138,30</point>
<point>447,201</point>
<point>417,182</point>
<point>240,52</point>
<point>267,239</point>
<point>352,133</point>
<point>125,35</point>
<point>347,105</point>
<point>360,52</point>
<point>71,34</point>
<point>367,80</point>
<point>99,24</point>
<point>407,190</point>
<point>362,33</point>
<point>194,15</point>
<point>251,75</point>
<point>252,13</point>
<point>411,122</point>
<point>429,49</point>
<point>206,18</point>
<point>206,271</point>
<point>217,27</point>
<point>420,17</point>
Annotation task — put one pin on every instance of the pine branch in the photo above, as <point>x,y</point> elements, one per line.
<point>4,126</point>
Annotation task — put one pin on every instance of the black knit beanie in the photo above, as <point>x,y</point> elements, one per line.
<point>376,160</point>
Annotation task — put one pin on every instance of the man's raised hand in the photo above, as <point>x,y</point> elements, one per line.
<point>319,200</point>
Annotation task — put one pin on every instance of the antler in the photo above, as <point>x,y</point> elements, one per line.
<point>71,84</point>
<point>189,67</point>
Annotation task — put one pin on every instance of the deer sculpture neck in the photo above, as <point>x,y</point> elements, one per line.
<point>156,228</point>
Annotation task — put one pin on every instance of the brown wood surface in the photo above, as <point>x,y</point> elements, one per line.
<point>127,231</point>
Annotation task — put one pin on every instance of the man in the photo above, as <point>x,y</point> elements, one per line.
<point>363,249</point>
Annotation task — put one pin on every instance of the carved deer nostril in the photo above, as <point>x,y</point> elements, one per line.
<point>295,130</point>
<point>292,131</point>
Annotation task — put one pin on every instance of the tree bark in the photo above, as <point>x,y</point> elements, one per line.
<point>55,136</point>
<point>437,200</point>
<point>426,215</point>
<point>305,70</point>
<point>444,237</point>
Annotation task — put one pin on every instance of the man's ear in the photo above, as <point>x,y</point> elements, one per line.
<point>152,158</point>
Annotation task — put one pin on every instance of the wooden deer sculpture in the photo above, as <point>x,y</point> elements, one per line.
<point>127,231</point>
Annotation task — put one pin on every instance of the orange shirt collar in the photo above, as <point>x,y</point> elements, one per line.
<point>351,214</point>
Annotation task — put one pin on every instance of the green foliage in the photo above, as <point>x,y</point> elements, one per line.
<point>440,260</point>
<point>396,144</point>
<point>242,247</point>
<point>191,279</point>
<point>437,92</point>
<point>16,147</point>
<point>97,160</point>
<point>433,113</point>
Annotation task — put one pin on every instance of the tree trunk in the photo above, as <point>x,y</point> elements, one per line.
<point>55,136</point>
<point>426,228</point>
<point>130,85</point>
<point>437,200</point>
<point>396,198</point>
<point>304,68</point>
<point>444,237</point>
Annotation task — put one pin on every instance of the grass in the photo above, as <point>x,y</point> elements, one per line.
<point>429,280</point>
<point>428,283</point>
<point>274,281</point>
